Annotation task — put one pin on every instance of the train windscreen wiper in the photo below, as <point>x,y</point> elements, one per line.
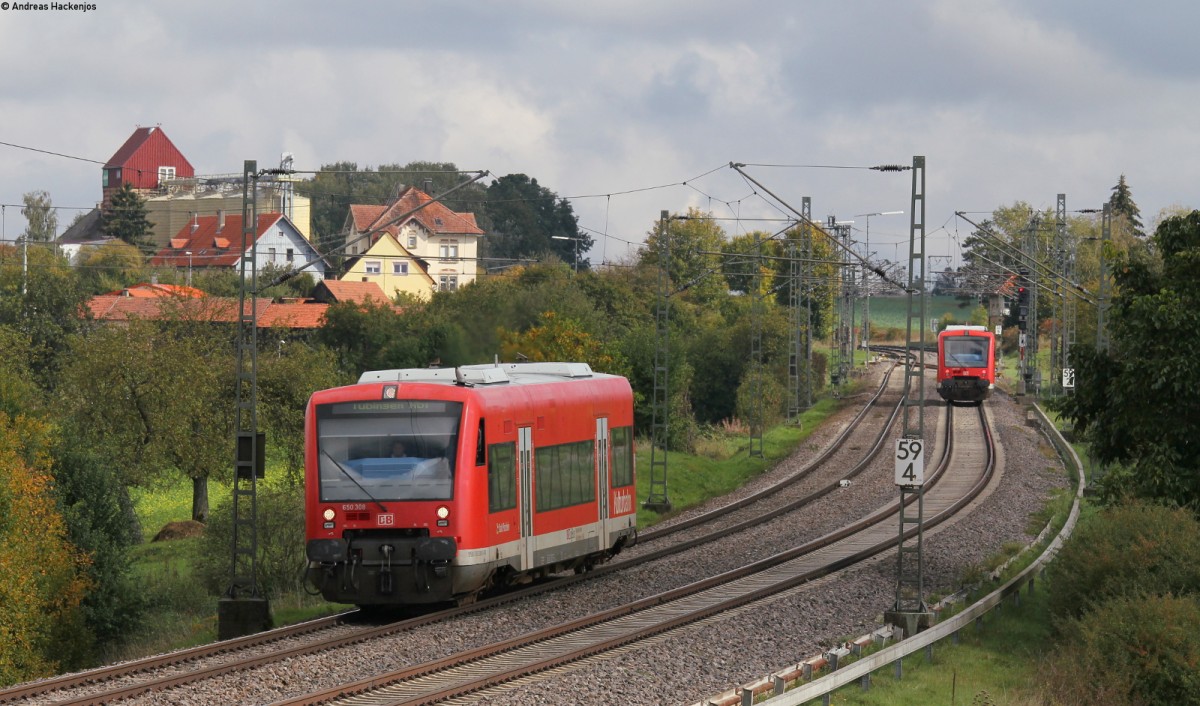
<point>346,473</point>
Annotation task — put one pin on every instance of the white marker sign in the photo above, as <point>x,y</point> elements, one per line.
<point>910,462</point>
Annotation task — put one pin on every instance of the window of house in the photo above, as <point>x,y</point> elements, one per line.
<point>291,254</point>
<point>373,267</point>
<point>412,242</point>
<point>399,267</point>
<point>270,254</point>
<point>104,177</point>
<point>449,283</point>
<point>165,173</point>
<point>448,249</point>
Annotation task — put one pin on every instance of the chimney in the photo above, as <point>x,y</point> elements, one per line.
<point>429,186</point>
<point>195,222</point>
<point>220,220</point>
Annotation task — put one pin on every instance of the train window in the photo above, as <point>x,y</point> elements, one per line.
<point>966,351</point>
<point>480,448</point>
<point>622,452</point>
<point>387,449</point>
<point>502,477</point>
<point>566,475</point>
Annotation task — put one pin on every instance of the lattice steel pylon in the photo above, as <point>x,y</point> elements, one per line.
<point>656,498</point>
<point>757,421</point>
<point>843,353</point>
<point>806,273</point>
<point>1033,376</point>
<point>1062,336</point>
<point>795,344</point>
<point>244,609</point>
<point>910,569</point>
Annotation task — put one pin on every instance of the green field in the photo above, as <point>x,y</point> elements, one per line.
<point>892,313</point>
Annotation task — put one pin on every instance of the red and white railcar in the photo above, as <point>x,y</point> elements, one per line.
<point>508,472</point>
<point>966,363</point>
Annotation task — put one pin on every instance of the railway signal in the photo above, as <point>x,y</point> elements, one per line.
<point>1022,307</point>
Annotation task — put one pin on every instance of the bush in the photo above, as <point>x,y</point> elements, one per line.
<point>762,392</point>
<point>1129,651</point>
<point>1127,550</point>
<point>280,559</point>
<point>100,520</point>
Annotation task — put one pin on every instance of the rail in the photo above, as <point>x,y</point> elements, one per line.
<point>861,670</point>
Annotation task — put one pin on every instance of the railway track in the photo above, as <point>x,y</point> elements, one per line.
<point>965,469</point>
<point>121,682</point>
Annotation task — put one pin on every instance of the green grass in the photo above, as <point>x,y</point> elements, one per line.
<point>993,664</point>
<point>725,463</point>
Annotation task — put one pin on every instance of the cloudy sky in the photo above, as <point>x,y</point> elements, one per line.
<point>630,107</point>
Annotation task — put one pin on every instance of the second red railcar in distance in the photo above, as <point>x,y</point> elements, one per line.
<point>432,485</point>
<point>966,364</point>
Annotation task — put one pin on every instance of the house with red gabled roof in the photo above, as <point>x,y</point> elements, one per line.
<point>214,242</point>
<point>431,240</point>
<point>145,161</point>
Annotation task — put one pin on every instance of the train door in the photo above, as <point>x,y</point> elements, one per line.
<point>525,472</point>
<point>602,466</point>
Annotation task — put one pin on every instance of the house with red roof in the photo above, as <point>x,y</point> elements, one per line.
<point>145,161</point>
<point>431,242</point>
<point>303,315</point>
<point>333,291</point>
<point>209,242</point>
<point>151,290</point>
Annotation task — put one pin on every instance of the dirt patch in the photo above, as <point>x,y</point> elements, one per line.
<point>179,530</point>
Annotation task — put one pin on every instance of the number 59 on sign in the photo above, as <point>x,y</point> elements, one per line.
<point>910,462</point>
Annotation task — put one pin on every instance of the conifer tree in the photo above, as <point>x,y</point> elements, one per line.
<point>1122,205</point>
<point>125,217</point>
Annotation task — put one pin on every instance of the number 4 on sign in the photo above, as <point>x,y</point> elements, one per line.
<point>910,462</point>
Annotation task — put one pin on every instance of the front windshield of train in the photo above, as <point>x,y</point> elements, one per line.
<point>387,449</point>
<point>966,351</point>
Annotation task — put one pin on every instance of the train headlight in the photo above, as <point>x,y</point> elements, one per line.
<point>329,514</point>
<point>443,512</point>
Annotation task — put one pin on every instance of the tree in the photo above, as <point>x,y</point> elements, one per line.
<point>156,397</point>
<point>41,297</point>
<point>42,219</point>
<point>695,267</point>
<point>528,220</point>
<point>109,267</point>
<point>560,338</point>
<point>287,377</point>
<point>1124,209</point>
<point>1148,374</point>
<point>44,575</point>
<point>124,217</point>
<point>100,521</point>
<point>374,336</point>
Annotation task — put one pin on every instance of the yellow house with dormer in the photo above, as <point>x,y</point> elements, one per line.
<point>444,242</point>
<point>391,266</point>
